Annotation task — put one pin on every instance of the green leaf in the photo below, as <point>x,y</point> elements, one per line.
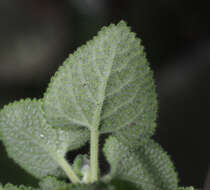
<point>123,185</point>
<point>82,186</point>
<point>81,167</point>
<point>51,183</point>
<point>115,184</point>
<point>149,167</point>
<point>105,84</point>
<point>32,142</point>
<point>13,187</point>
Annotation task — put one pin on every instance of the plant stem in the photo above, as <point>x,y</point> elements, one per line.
<point>94,154</point>
<point>68,169</point>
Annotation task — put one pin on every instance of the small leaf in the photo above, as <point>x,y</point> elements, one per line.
<point>51,183</point>
<point>13,187</point>
<point>81,167</point>
<point>149,167</point>
<point>105,83</point>
<point>32,142</point>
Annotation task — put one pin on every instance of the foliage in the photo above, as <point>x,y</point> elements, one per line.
<point>106,86</point>
<point>13,187</point>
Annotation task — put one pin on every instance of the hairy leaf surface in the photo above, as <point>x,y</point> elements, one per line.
<point>105,83</point>
<point>149,167</point>
<point>95,186</point>
<point>112,185</point>
<point>32,142</point>
<point>13,187</point>
<point>51,183</point>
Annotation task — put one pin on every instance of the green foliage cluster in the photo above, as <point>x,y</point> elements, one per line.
<point>105,87</point>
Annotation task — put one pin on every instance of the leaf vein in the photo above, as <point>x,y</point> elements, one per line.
<point>120,106</point>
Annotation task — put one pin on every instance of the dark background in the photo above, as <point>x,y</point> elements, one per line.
<point>37,35</point>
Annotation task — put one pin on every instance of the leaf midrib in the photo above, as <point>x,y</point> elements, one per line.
<point>102,89</point>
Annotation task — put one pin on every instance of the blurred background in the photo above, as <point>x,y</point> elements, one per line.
<point>37,35</point>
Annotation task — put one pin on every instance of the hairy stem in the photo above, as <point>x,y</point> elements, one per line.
<point>94,154</point>
<point>68,170</point>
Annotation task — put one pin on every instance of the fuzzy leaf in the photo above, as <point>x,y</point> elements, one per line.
<point>81,166</point>
<point>112,185</point>
<point>32,142</point>
<point>51,183</point>
<point>13,187</point>
<point>106,82</point>
<point>96,186</point>
<point>123,185</point>
<point>149,167</point>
